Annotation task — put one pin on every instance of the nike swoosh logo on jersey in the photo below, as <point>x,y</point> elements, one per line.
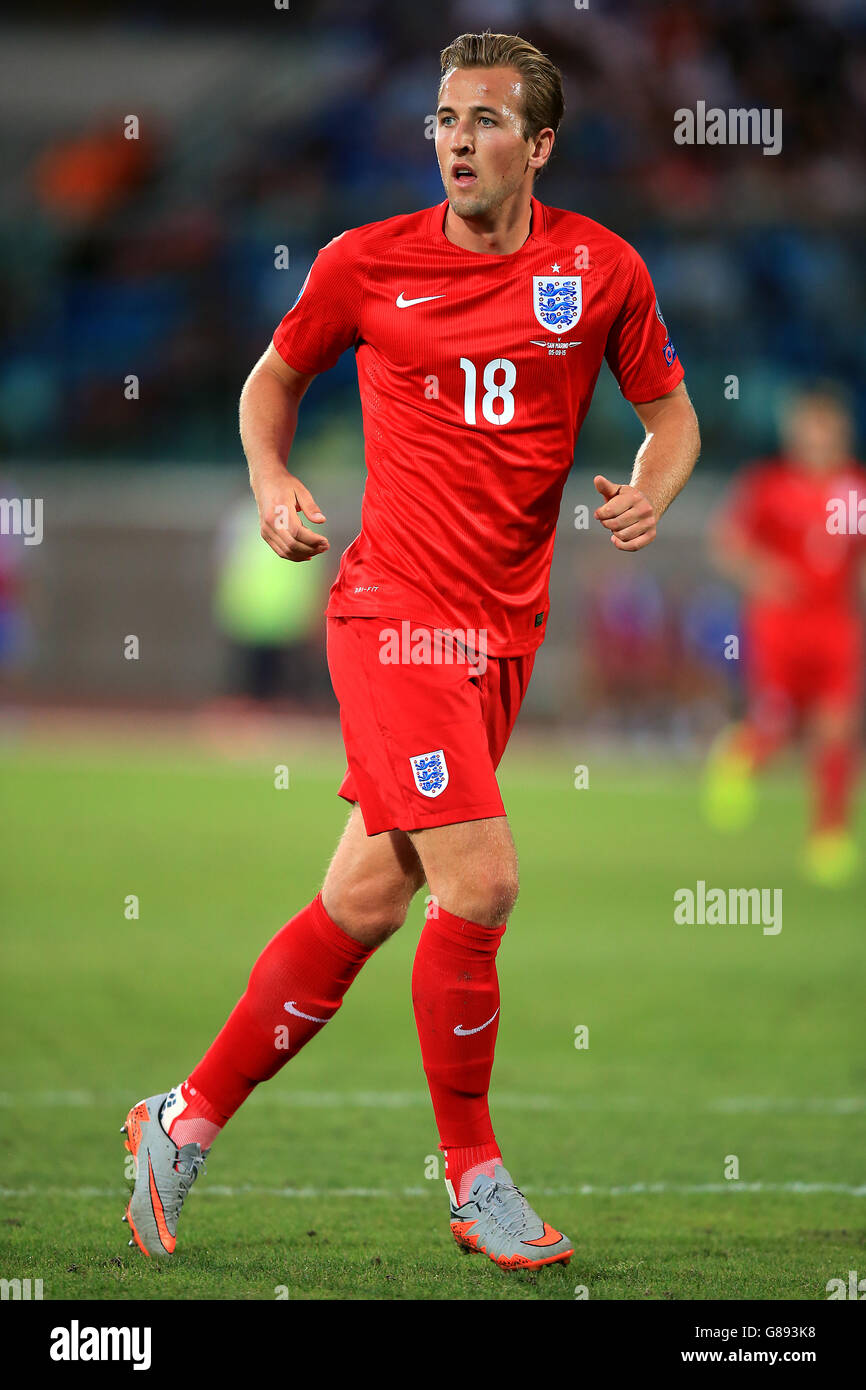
<point>407,303</point>
<point>465,1032</point>
<point>289,1007</point>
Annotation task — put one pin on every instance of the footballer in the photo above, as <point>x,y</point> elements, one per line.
<point>479,327</point>
<point>792,537</point>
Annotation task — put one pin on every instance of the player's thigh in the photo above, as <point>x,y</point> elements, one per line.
<point>471,867</point>
<point>371,880</point>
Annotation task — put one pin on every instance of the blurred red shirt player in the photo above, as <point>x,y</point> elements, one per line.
<point>792,535</point>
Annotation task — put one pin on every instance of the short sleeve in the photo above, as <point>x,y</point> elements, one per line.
<point>324,319</point>
<point>639,351</point>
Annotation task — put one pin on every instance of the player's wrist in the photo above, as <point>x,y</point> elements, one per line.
<point>270,471</point>
<point>653,496</point>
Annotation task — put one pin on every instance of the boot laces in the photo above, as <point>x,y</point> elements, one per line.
<point>509,1207</point>
<point>186,1168</point>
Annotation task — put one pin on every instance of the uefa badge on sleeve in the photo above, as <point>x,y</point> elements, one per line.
<point>430,772</point>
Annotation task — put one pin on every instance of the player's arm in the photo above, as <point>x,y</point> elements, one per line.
<point>268,420</point>
<point>737,552</point>
<point>664,462</point>
<point>734,553</point>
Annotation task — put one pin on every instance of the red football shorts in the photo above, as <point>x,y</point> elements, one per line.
<point>423,741</point>
<point>802,661</point>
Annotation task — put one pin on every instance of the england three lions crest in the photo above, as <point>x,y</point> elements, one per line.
<point>430,772</point>
<point>557,301</point>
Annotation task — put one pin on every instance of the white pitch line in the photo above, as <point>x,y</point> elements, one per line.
<point>816,1105</point>
<point>637,1189</point>
<point>504,1100</point>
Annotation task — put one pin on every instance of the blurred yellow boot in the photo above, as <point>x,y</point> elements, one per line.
<point>728,798</point>
<point>831,859</point>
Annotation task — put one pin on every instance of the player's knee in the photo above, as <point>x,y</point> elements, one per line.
<point>501,900</point>
<point>368,910</point>
<point>834,726</point>
<point>486,895</point>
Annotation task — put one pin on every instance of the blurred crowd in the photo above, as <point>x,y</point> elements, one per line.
<point>154,257</point>
<point>652,660</point>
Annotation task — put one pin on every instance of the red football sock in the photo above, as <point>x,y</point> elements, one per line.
<point>835,770</point>
<point>296,986</point>
<point>463,1165</point>
<point>455,994</point>
<point>189,1118</point>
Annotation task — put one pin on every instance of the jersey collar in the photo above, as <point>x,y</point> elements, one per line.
<point>536,231</point>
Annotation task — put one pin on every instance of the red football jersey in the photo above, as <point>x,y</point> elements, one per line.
<point>475,374</point>
<point>811,521</point>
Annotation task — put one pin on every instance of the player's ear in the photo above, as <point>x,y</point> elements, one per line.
<point>542,149</point>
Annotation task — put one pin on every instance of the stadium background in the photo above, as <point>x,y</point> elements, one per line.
<point>260,129</point>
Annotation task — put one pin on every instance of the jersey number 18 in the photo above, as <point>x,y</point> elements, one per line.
<point>492,392</point>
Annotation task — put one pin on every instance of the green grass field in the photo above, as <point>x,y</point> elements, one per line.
<point>704,1042</point>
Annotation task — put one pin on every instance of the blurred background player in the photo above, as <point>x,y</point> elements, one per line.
<point>788,536</point>
<point>269,615</point>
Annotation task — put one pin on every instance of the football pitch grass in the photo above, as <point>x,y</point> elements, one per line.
<point>705,1043</point>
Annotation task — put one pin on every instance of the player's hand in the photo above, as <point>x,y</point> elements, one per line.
<point>279,507</point>
<point>626,513</point>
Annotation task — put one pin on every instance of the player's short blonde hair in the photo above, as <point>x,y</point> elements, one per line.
<point>543,102</point>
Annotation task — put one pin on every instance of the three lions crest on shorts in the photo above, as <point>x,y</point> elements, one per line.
<point>430,772</point>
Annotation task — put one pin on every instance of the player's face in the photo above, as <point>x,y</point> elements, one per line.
<point>818,435</point>
<point>479,126</point>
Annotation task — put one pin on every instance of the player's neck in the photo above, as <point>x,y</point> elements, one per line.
<point>502,236</point>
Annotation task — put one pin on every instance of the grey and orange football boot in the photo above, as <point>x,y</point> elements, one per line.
<point>164,1175</point>
<point>497,1220</point>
